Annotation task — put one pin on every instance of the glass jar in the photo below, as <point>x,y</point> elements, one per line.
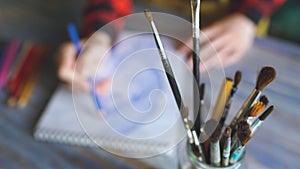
<point>188,160</point>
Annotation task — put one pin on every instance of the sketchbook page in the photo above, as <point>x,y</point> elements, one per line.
<point>146,120</point>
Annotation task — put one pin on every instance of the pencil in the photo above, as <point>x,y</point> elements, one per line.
<point>16,84</point>
<point>74,37</point>
<point>31,78</point>
<point>8,57</point>
<point>73,34</point>
<point>27,90</point>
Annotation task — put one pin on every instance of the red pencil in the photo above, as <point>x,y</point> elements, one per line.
<point>8,57</point>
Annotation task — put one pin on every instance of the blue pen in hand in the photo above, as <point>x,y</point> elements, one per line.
<point>74,37</point>
<point>76,41</point>
<point>95,94</point>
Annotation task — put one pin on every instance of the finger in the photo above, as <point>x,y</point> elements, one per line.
<point>221,41</point>
<point>212,31</point>
<point>80,83</point>
<point>217,59</point>
<point>233,57</point>
<point>206,51</point>
<point>67,54</point>
<point>209,54</point>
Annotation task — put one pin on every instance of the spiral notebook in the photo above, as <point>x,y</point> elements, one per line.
<point>145,121</point>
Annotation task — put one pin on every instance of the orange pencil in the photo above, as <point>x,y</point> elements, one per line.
<point>31,79</point>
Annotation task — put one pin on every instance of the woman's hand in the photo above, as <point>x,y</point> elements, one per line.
<point>228,39</point>
<point>86,64</point>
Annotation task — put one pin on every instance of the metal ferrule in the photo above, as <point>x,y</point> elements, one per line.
<point>256,125</point>
<point>247,104</point>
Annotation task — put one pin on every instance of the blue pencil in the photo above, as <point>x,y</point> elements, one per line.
<point>95,95</point>
<point>74,37</point>
<point>76,41</point>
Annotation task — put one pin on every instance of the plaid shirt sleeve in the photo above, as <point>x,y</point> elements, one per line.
<point>97,13</point>
<point>255,9</point>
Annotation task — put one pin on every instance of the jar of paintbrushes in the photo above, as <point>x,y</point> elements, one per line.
<point>217,145</point>
<point>211,143</point>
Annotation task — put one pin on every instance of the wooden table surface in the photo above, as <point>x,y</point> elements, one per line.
<point>275,145</point>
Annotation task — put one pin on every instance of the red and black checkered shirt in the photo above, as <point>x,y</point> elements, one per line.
<point>99,12</point>
<point>255,9</point>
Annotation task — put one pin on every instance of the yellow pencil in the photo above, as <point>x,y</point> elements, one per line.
<point>27,90</point>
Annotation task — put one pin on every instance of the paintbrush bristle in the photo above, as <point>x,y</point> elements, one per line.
<point>202,90</point>
<point>227,132</point>
<point>264,100</point>
<point>244,132</point>
<point>237,78</point>
<point>266,113</point>
<point>256,109</point>
<point>259,106</point>
<point>265,77</point>
<point>148,15</point>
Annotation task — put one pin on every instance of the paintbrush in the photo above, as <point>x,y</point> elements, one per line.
<point>208,129</point>
<point>221,99</point>
<point>188,127</point>
<point>165,61</point>
<point>257,108</point>
<point>171,79</point>
<point>195,7</point>
<point>235,138</point>
<point>227,146</point>
<point>193,140</point>
<point>258,122</point>
<point>265,77</point>
<point>236,82</point>
<point>215,153</point>
<point>198,121</point>
<point>244,135</point>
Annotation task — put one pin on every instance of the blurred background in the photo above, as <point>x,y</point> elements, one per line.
<point>46,20</point>
<point>42,22</point>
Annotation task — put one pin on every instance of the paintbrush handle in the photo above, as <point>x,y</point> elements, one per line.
<point>247,104</point>
<point>172,82</point>
<point>196,59</point>
<point>226,152</point>
<point>255,125</point>
<point>215,156</point>
<point>236,154</point>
